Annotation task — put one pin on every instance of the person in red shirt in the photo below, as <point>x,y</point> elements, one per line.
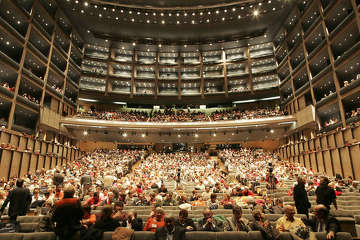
<point>155,221</point>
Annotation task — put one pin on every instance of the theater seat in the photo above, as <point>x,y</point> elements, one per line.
<point>28,236</point>
<point>29,219</point>
<point>199,236</point>
<point>39,236</point>
<point>144,235</point>
<point>232,235</point>
<point>11,236</point>
<point>338,236</point>
<point>107,236</point>
<point>357,225</point>
<point>255,235</point>
<point>28,227</point>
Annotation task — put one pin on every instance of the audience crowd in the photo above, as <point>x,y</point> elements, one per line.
<point>109,180</point>
<point>172,115</point>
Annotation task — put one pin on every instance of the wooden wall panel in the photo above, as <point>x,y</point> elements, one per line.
<point>15,164</point>
<point>43,147</point>
<point>301,160</point>
<point>33,163</point>
<point>355,153</point>
<point>14,140</point>
<point>313,162</point>
<point>53,162</point>
<point>5,163</point>
<point>336,162</point>
<point>47,160</point>
<point>328,163</point>
<point>348,135</point>
<point>22,143</point>
<point>25,164</point>
<point>320,161</point>
<point>88,146</point>
<point>339,139</point>
<point>356,133</point>
<point>41,162</point>
<point>324,144</point>
<point>5,138</point>
<point>346,162</point>
<point>307,161</point>
<point>331,141</point>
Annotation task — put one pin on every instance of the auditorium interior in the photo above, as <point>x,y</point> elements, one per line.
<point>192,77</point>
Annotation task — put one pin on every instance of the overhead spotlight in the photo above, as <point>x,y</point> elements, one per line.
<point>196,135</point>
<point>86,4</point>
<point>272,131</point>
<point>124,134</point>
<point>159,45</point>
<point>214,134</point>
<point>185,46</point>
<point>85,133</point>
<point>256,13</point>
<point>134,43</point>
<point>179,136</point>
<point>162,21</point>
<point>143,135</point>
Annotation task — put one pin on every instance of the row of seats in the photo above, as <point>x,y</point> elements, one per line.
<point>253,235</point>
<point>30,223</point>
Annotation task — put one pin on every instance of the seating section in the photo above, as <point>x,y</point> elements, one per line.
<point>253,235</point>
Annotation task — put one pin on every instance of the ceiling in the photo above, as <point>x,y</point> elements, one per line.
<point>177,22</point>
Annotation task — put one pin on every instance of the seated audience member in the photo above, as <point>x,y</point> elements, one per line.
<point>194,196</point>
<point>170,231</point>
<point>88,218</point>
<point>227,202</point>
<point>93,201</point>
<point>206,195</point>
<point>169,201</point>
<point>199,203</point>
<point>279,207</point>
<point>324,222</point>
<point>289,223</point>
<point>217,188</point>
<point>210,224</point>
<point>247,192</point>
<point>45,224</point>
<point>236,222</point>
<point>109,199</point>
<point>106,223</point>
<point>134,222</point>
<point>155,221</point>
<point>141,201</point>
<point>213,203</point>
<point>184,221</point>
<point>118,213</point>
<point>264,226</point>
<point>163,189</point>
<point>37,201</point>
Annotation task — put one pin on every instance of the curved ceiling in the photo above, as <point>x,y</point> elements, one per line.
<point>173,4</point>
<point>177,22</point>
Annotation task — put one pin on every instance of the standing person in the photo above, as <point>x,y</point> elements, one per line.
<point>300,197</point>
<point>324,194</point>
<point>67,216</point>
<point>20,200</point>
